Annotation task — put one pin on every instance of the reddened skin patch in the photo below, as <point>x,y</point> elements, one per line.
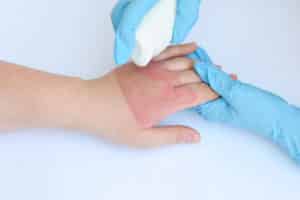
<point>151,92</point>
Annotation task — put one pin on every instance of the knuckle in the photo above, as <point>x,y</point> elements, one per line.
<point>191,62</point>
<point>193,76</point>
<point>175,50</point>
<point>186,77</point>
<point>202,94</point>
<point>186,62</point>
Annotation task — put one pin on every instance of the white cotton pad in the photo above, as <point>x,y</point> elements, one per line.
<point>155,32</point>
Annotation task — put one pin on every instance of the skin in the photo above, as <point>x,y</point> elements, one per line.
<point>123,107</point>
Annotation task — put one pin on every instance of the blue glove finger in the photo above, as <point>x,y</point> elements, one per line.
<point>217,111</point>
<point>186,17</point>
<point>126,26</point>
<point>218,80</point>
<point>200,55</point>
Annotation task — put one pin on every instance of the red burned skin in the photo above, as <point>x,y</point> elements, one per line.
<point>151,94</point>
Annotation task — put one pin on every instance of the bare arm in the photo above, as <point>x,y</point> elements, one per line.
<point>31,98</point>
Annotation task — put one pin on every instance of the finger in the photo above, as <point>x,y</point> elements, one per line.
<point>160,136</point>
<point>178,64</point>
<point>186,77</point>
<point>176,51</point>
<point>234,77</point>
<point>194,94</point>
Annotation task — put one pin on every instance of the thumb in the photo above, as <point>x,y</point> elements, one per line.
<point>160,136</point>
<point>218,80</point>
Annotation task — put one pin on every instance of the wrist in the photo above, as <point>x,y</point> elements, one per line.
<point>95,106</point>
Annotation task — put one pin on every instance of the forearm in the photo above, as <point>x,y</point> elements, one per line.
<point>31,98</point>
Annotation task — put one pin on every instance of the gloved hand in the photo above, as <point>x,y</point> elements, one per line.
<point>128,14</point>
<point>245,106</point>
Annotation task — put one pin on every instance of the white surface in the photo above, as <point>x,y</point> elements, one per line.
<point>155,32</point>
<point>257,39</point>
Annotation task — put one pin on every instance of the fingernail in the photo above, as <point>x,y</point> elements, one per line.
<point>191,138</point>
<point>195,44</point>
<point>234,76</point>
<point>196,138</point>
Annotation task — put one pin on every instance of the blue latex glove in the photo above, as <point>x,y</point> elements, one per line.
<point>128,14</point>
<point>245,106</point>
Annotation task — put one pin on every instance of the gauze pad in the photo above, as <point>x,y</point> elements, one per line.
<point>155,32</point>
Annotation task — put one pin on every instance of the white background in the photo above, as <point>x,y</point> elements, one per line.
<point>257,39</point>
